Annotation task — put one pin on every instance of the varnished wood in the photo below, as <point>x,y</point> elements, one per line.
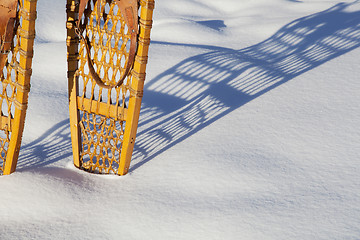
<point>104,121</point>
<point>146,12</point>
<point>27,30</point>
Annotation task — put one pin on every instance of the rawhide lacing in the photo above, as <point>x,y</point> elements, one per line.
<point>128,9</point>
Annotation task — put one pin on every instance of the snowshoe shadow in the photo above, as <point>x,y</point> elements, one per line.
<point>201,89</point>
<point>53,146</point>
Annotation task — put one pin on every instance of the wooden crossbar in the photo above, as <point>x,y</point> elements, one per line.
<point>107,110</point>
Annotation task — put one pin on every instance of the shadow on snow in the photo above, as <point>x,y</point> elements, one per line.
<point>201,89</point>
<point>54,145</point>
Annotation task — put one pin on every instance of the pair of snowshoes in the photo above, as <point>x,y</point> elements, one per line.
<point>107,46</point>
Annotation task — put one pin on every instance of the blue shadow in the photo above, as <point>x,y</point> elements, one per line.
<point>201,89</point>
<point>52,146</point>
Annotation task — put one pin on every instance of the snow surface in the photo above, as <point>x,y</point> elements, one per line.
<point>249,130</point>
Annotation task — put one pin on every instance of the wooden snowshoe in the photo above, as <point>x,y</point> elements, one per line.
<point>17,32</point>
<point>108,45</point>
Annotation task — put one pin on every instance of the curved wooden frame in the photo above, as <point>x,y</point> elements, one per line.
<point>127,115</point>
<point>18,77</point>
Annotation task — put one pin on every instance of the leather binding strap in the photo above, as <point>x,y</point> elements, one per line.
<point>128,9</point>
<point>7,29</point>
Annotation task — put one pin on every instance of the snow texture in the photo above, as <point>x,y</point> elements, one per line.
<point>249,130</point>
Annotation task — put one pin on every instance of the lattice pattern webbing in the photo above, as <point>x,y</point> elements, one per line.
<point>103,120</point>
<point>4,144</point>
<point>102,130</point>
<point>109,39</point>
<point>9,87</point>
<point>101,143</point>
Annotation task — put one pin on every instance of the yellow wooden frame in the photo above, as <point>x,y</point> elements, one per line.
<point>130,114</point>
<point>26,34</point>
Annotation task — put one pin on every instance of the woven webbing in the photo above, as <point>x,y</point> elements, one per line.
<point>101,144</point>
<point>127,9</point>
<point>9,87</point>
<point>103,110</point>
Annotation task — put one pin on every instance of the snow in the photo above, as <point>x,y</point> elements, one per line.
<point>248,130</point>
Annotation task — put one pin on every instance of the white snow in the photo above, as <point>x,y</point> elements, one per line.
<point>249,130</point>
